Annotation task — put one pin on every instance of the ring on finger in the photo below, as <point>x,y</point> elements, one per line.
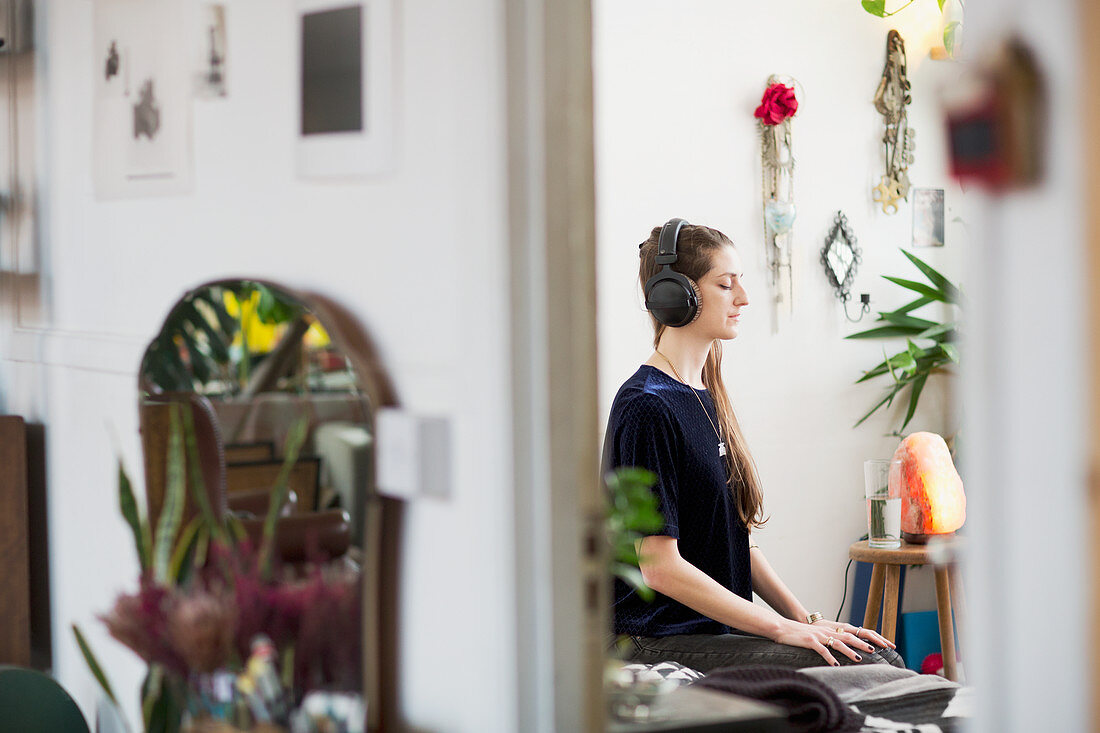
<point>829,643</point>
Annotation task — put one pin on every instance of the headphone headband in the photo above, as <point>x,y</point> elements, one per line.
<point>666,244</point>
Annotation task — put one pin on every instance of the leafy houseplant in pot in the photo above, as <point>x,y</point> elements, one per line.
<point>232,639</point>
<point>930,345</point>
<point>632,513</point>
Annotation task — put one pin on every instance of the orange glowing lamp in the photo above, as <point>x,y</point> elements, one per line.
<point>932,498</point>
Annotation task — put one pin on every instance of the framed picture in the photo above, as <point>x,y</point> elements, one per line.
<point>345,88</point>
<point>142,99</point>
<point>928,217</point>
<point>210,52</point>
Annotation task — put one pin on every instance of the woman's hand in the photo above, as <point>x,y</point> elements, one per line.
<point>825,639</point>
<point>865,635</point>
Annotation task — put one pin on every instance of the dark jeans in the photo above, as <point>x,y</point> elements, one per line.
<point>704,652</point>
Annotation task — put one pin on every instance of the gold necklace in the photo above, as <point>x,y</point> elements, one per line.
<point>721,443</point>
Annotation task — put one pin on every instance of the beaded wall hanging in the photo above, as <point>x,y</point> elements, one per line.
<point>776,108</point>
<point>891,99</point>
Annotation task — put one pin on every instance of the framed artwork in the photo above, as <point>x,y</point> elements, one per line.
<point>345,88</point>
<point>142,99</point>
<point>210,52</point>
<point>928,217</point>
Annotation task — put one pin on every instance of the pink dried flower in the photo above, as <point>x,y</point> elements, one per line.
<point>201,626</point>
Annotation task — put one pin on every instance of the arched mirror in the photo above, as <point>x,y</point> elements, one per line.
<point>253,360</point>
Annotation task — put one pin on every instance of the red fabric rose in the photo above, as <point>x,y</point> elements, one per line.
<point>777,105</point>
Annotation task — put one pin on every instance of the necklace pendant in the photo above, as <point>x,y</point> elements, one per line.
<point>721,449</point>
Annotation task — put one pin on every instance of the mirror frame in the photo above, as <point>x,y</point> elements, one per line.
<point>382,516</point>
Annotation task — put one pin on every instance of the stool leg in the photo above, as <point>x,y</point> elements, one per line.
<point>958,602</point>
<point>874,597</point>
<point>947,633</point>
<point>890,613</point>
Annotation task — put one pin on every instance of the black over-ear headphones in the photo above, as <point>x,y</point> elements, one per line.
<point>672,298</point>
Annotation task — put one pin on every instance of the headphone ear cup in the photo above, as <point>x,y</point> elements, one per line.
<point>698,300</point>
<point>672,299</point>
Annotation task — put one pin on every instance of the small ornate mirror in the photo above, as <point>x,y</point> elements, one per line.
<point>841,258</point>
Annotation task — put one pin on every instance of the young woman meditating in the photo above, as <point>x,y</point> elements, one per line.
<point>674,417</point>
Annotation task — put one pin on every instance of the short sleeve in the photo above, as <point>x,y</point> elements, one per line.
<point>647,439</point>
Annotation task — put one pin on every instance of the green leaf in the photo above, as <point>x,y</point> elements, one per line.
<point>185,549</point>
<point>941,2</point>
<point>902,319</point>
<point>942,283</point>
<point>950,33</point>
<point>918,303</point>
<point>171,513</point>
<point>914,396</point>
<point>886,332</point>
<point>950,352</point>
<point>885,400</point>
<point>93,664</point>
<point>632,576</point>
<point>194,472</point>
<point>138,525</point>
<point>294,440</point>
<point>939,332</point>
<point>875,7</point>
<point>925,290</point>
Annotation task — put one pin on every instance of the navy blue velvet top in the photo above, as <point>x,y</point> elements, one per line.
<point>657,423</point>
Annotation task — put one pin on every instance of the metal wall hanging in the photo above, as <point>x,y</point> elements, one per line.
<point>841,257</point>
<point>776,108</point>
<point>891,99</point>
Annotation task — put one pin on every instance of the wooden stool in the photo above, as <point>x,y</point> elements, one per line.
<point>887,573</point>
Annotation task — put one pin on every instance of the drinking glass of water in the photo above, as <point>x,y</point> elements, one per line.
<point>883,504</point>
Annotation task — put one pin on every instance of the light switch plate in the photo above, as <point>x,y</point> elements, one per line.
<point>414,454</point>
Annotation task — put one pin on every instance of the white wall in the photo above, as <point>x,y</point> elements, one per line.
<point>419,255</point>
<point>675,136</point>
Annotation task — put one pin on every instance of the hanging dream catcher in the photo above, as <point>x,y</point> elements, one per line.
<point>891,99</point>
<point>774,113</point>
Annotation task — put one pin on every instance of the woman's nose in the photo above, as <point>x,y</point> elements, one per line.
<point>742,298</point>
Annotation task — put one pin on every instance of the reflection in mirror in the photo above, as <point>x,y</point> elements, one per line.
<point>253,360</point>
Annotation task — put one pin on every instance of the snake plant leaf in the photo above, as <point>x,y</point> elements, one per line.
<point>171,513</point>
<point>294,440</point>
<point>925,290</point>
<point>914,396</point>
<point>194,473</point>
<point>161,706</point>
<point>185,549</point>
<point>235,529</point>
<point>93,664</point>
<point>942,283</point>
<point>138,524</point>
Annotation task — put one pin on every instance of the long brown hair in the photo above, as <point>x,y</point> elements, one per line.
<point>695,249</point>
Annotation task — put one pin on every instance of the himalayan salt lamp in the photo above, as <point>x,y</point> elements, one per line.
<point>932,498</point>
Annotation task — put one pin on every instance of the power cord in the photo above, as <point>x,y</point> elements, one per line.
<point>844,596</point>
